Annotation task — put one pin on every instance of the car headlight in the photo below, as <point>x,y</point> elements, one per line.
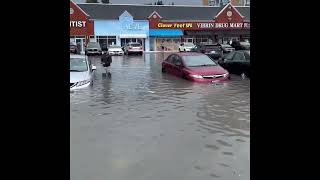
<point>196,76</point>
<point>81,83</point>
<point>225,75</point>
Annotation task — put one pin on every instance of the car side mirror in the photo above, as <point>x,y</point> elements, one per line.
<point>94,68</point>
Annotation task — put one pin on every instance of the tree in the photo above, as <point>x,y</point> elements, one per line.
<point>91,1</point>
<point>105,1</point>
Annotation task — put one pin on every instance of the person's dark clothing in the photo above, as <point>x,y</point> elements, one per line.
<point>106,59</point>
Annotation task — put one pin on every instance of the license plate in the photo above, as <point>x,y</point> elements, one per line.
<point>215,81</point>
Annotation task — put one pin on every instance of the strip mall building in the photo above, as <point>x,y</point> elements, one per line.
<point>157,27</point>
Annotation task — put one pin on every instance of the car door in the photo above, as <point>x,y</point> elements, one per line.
<point>238,64</point>
<point>177,69</point>
<point>168,65</point>
<point>227,62</point>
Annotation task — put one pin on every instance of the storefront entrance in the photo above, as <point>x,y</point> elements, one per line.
<point>80,42</point>
<point>167,44</point>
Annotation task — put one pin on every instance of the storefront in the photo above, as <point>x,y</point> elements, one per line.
<point>81,27</point>
<point>228,25</point>
<point>121,24</point>
<point>165,40</point>
<point>122,31</point>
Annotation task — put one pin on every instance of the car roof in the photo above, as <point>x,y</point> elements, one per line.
<point>189,54</point>
<point>77,56</point>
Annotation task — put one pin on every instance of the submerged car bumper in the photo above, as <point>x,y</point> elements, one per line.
<point>210,79</point>
<point>79,85</point>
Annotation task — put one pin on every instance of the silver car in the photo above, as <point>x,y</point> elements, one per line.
<point>133,47</point>
<point>93,48</point>
<point>81,71</point>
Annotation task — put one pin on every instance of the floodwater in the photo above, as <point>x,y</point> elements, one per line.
<point>145,125</point>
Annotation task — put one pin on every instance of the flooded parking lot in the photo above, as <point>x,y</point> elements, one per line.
<point>145,125</point>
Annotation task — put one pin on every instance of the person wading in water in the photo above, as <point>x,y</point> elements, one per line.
<point>106,60</point>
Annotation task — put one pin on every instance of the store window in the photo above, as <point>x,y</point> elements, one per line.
<point>109,40</point>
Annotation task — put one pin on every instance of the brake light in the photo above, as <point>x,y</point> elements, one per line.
<point>140,47</point>
<point>130,47</point>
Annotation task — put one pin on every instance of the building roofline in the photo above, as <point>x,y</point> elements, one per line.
<point>229,4</point>
<point>156,5</point>
<point>80,8</point>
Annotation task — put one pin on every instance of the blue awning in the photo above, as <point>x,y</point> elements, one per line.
<point>165,32</point>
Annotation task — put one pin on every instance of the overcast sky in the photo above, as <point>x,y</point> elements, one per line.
<point>177,2</point>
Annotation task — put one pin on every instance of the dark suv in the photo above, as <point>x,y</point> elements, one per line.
<point>73,48</point>
<point>212,50</point>
<point>238,45</point>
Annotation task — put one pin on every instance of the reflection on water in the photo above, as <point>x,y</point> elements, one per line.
<point>142,124</point>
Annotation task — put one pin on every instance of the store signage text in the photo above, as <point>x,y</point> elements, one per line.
<point>206,25</point>
<point>174,25</point>
<point>133,26</point>
<point>78,24</point>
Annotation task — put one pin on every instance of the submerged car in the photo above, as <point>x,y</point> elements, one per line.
<point>186,47</point>
<point>93,48</point>
<point>115,50</point>
<point>241,45</point>
<point>81,71</point>
<point>73,48</point>
<point>212,50</point>
<point>133,48</point>
<point>194,67</point>
<point>226,48</point>
<point>237,62</point>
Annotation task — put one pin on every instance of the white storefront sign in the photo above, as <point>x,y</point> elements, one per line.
<point>78,24</point>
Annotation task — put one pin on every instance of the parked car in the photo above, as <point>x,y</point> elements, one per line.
<point>194,67</point>
<point>186,47</point>
<point>133,48</point>
<point>237,45</point>
<point>212,50</point>
<point>81,71</point>
<point>237,62</point>
<point>226,48</point>
<point>93,48</point>
<point>115,50</point>
<point>73,48</point>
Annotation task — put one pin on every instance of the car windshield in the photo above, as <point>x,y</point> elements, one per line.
<point>201,60</point>
<point>114,47</point>
<point>226,46</point>
<point>189,44</point>
<point>93,45</point>
<point>211,47</point>
<point>135,45</point>
<point>78,65</point>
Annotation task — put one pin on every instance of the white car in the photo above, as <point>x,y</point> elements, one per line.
<point>115,50</point>
<point>133,47</point>
<point>186,47</point>
<point>81,72</point>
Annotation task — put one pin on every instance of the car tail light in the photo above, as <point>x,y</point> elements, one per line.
<point>140,47</point>
<point>130,47</point>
